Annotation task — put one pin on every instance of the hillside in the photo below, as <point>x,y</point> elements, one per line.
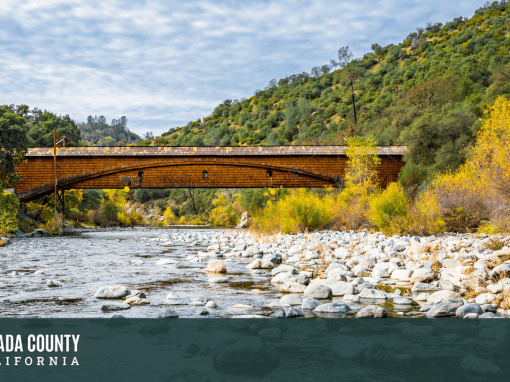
<point>427,92</point>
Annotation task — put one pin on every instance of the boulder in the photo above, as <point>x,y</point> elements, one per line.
<point>485,298</point>
<point>310,303</point>
<point>424,287</point>
<point>112,292</point>
<point>255,264</point>
<point>372,311</point>
<point>318,291</point>
<point>444,309</point>
<point>284,268</point>
<point>332,307</point>
<point>463,310</point>
<point>135,300</point>
<point>401,274</point>
<point>292,299</point>
<point>216,266</point>
<point>402,301</point>
<point>283,277</point>
<point>112,306</point>
<point>374,294</point>
<point>288,313</point>
<point>243,223</point>
<point>444,296</point>
<point>168,313</point>
<point>422,275</point>
<point>292,287</point>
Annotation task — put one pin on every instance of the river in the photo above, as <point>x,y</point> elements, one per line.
<point>82,263</point>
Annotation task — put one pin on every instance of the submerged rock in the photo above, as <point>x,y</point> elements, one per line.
<point>112,306</point>
<point>333,307</point>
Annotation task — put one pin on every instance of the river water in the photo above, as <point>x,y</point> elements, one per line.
<point>84,262</point>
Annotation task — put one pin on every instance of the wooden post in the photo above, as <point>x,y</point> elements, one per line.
<point>55,170</point>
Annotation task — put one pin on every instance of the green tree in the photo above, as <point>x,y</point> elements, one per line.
<point>45,123</point>
<point>9,205</point>
<point>13,144</point>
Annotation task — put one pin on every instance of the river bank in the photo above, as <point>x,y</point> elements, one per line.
<point>224,273</point>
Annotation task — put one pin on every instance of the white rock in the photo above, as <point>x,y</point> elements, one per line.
<point>373,294</point>
<point>485,298</point>
<point>216,266</point>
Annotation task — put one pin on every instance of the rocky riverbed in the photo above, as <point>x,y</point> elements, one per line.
<point>221,273</point>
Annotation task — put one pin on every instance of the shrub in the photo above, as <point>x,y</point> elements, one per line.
<point>349,209</point>
<point>490,228</point>
<point>169,216</point>
<point>298,211</point>
<point>462,198</point>
<point>227,210</point>
<point>424,217</point>
<point>388,210</point>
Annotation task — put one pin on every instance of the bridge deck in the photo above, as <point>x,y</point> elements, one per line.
<point>197,167</point>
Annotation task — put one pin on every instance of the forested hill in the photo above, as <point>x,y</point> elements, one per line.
<point>427,92</point>
<point>97,132</point>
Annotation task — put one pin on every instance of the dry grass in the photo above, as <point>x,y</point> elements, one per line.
<point>2,243</point>
<point>495,245</point>
<point>435,263</point>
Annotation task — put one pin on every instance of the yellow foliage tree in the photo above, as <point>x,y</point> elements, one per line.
<point>226,211</point>
<point>491,154</point>
<point>362,163</point>
<point>361,181</point>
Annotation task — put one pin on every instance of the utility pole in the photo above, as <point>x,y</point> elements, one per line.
<point>55,170</point>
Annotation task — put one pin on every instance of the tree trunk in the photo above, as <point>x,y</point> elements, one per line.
<point>192,194</point>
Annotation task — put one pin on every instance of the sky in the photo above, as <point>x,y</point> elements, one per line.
<point>165,63</point>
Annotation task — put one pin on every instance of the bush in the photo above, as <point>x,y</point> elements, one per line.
<point>298,211</point>
<point>463,200</point>
<point>388,210</point>
<point>169,216</point>
<point>349,209</point>
<point>424,217</point>
<point>227,210</point>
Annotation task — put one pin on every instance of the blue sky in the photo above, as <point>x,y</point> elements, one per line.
<point>165,63</point>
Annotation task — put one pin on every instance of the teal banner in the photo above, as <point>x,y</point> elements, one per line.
<point>253,349</point>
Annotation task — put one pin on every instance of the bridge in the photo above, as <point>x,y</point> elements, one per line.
<point>191,167</point>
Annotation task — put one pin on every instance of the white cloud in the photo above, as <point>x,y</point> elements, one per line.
<point>164,63</point>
